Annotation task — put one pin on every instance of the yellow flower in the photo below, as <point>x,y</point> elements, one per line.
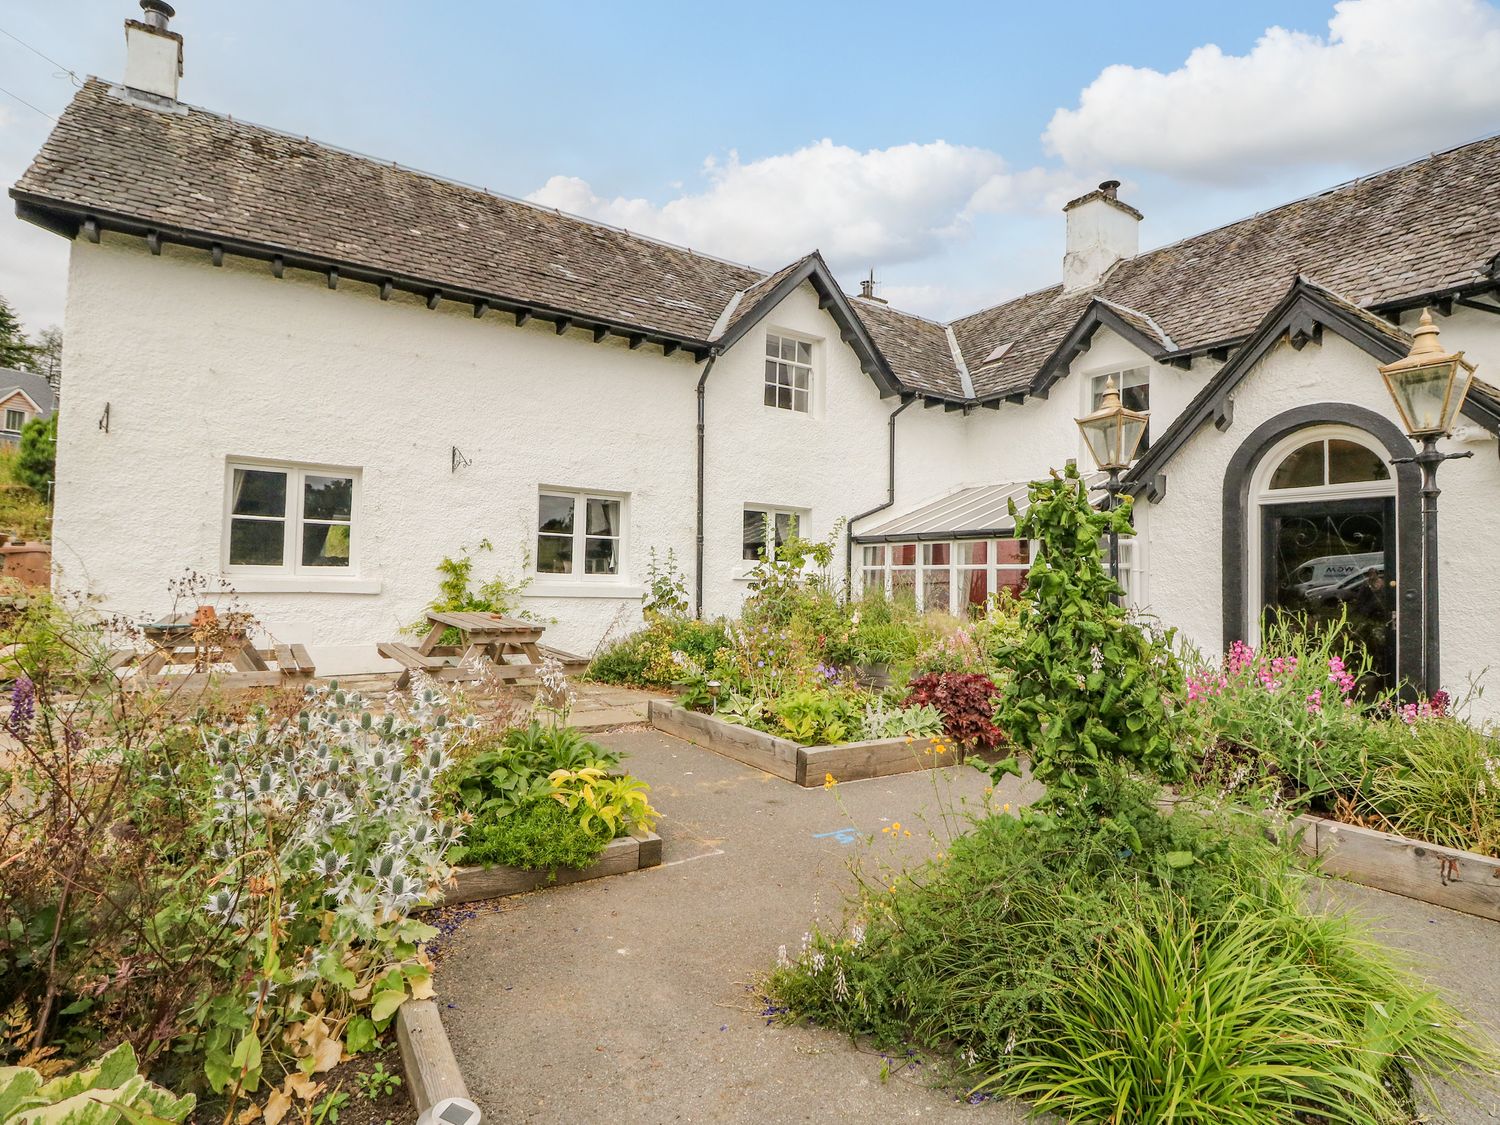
<point>1005,807</point>
<point>829,781</point>
<point>907,835</point>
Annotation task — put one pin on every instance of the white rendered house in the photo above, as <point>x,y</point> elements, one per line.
<point>317,373</point>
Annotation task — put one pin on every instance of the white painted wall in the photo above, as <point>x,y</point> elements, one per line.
<point>200,365</point>
<point>1183,532</point>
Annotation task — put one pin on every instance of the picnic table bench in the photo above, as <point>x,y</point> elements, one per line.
<point>485,642</point>
<point>173,642</point>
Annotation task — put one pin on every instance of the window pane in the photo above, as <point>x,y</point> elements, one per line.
<point>783,527</point>
<point>1303,468</point>
<point>754,535</point>
<point>801,378</point>
<point>771,368</point>
<point>327,498</point>
<point>784,397</point>
<point>904,586</point>
<point>603,517</point>
<point>1010,578</point>
<point>1015,552</point>
<point>799,401</point>
<point>770,395</point>
<point>325,544</point>
<point>975,587</point>
<point>1348,461</point>
<point>974,551</point>
<point>804,352</point>
<point>875,556</point>
<point>903,554</point>
<point>259,492</point>
<point>601,556</point>
<point>773,345</point>
<point>935,586</point>
<point>788,348</point>
<point>256,542</point>
<point>14,419</point>
<point>556,515</point>
<point>937,554</point>
<point>554,554</point>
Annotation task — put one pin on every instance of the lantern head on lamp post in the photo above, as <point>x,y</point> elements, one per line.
<point>1428,387</point>
<point>1113,433</point>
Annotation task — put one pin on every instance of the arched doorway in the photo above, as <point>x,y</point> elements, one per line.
<point>1304,488</point>
<point>1323,539</point>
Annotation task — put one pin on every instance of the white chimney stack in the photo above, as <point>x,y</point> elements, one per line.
<point>1101,231</point>
<point>153,55</point>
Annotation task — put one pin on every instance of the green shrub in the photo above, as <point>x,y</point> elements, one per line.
<point>1096,958</point>
<point>626,662</point>
<point>541,834</point>
<point>458,594</point>
<point>670,650</point>
<point>36,458</point>
<point>1087,685</point>
<point>107,1091</point>
<point>511,770</point>
<point>1435,779</point>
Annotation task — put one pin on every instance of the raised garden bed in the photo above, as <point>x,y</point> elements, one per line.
<point>808,766</point>
<point>1458,880</point>
<point>628,853</point>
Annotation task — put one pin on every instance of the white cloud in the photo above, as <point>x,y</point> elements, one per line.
<point>1391,80</point>
<point>879,207</point>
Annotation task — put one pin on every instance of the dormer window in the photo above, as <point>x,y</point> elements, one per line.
<point>788,373</point>
<point>1135,394</point>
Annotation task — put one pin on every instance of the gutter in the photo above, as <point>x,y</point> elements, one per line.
<point>713,357</point>
<point>890,496</point>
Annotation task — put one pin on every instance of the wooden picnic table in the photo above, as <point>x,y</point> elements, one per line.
<point>485,641</point>
<point>173,642</point>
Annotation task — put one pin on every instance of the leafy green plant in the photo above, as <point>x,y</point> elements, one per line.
<point>36,459</point>
<point>458,594</point>
<point>378,1083</point>
<point>882,721</point>
<point>1435,779</point>
<point>326,1110</point>
<point>666,586</point>
<point>615,804</point>
<point>539,835</point>
<point>512,771</point>
<point>107,1091</point>
<point>816,717</point>
<point>1087,685</point>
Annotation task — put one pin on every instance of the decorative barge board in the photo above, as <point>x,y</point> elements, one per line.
<point>628,853</point>
<point>808,766</point>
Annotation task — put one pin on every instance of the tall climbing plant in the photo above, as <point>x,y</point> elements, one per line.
<point>1088,686</point>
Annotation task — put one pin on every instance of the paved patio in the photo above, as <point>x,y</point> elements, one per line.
<point>631,999</point>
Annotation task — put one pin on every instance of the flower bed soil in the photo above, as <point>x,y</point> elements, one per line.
<point>808,766</point>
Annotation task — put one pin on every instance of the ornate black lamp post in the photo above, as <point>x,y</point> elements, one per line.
<point>1429,387</point>
<point>1112,434</point>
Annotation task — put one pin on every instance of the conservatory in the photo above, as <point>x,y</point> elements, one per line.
<point>956,552</point>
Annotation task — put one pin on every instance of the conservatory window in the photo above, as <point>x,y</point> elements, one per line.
<point>291,518</point>
<point>788,373</point>
<point>903,581</point>
<point>580,534</point>
<point>951,576</point>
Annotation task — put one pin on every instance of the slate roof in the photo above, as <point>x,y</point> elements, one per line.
<point>35,386</point>
<point>1426,228</point>
<point>204,172</point>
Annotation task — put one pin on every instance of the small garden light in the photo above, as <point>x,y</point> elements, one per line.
<point>1428,387</point>
<point>1113,433</point>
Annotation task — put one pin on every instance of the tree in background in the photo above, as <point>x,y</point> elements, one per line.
<point>47,361</point>
<point>15,349</point>
<point>37,456</point>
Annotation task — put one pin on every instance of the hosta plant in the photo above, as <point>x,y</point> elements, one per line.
<point>107,1091</point>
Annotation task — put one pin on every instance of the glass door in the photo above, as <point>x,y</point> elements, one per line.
<point>1322,558</point>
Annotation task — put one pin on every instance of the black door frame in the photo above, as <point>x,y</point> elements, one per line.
<point>1382,506</point>
<point>1236,514</point>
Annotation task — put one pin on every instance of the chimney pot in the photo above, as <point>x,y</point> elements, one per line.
<point>157,13</point>
<point>1110,188</point>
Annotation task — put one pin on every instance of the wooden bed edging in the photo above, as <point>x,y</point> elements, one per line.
<point>628,853</point>
<point>808,766</point>
<point>432,1072</point>
<point>1458,880</point>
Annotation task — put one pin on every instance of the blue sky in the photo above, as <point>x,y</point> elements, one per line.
<point>932,142</point>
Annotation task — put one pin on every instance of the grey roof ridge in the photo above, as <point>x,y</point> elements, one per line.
<point>726,313</point>
<point>965,382</point>
<point>451,181</point>
<point>1166,338</point>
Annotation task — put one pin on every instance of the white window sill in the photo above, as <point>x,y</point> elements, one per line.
<point>300,584</point>
<point>618,590</point>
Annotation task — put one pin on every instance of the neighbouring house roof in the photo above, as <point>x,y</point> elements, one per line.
<point>967,513</point>
<point>1398,238</point>
<point>33,386</point>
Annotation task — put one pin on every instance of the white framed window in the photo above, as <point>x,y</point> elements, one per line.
<point>580,535</point>
<point>789,373</point>
<point>955,575</point>
<point>1134,385</point>
<point>290,519</point>
<point>760,524</point>
<point>14,420</point>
